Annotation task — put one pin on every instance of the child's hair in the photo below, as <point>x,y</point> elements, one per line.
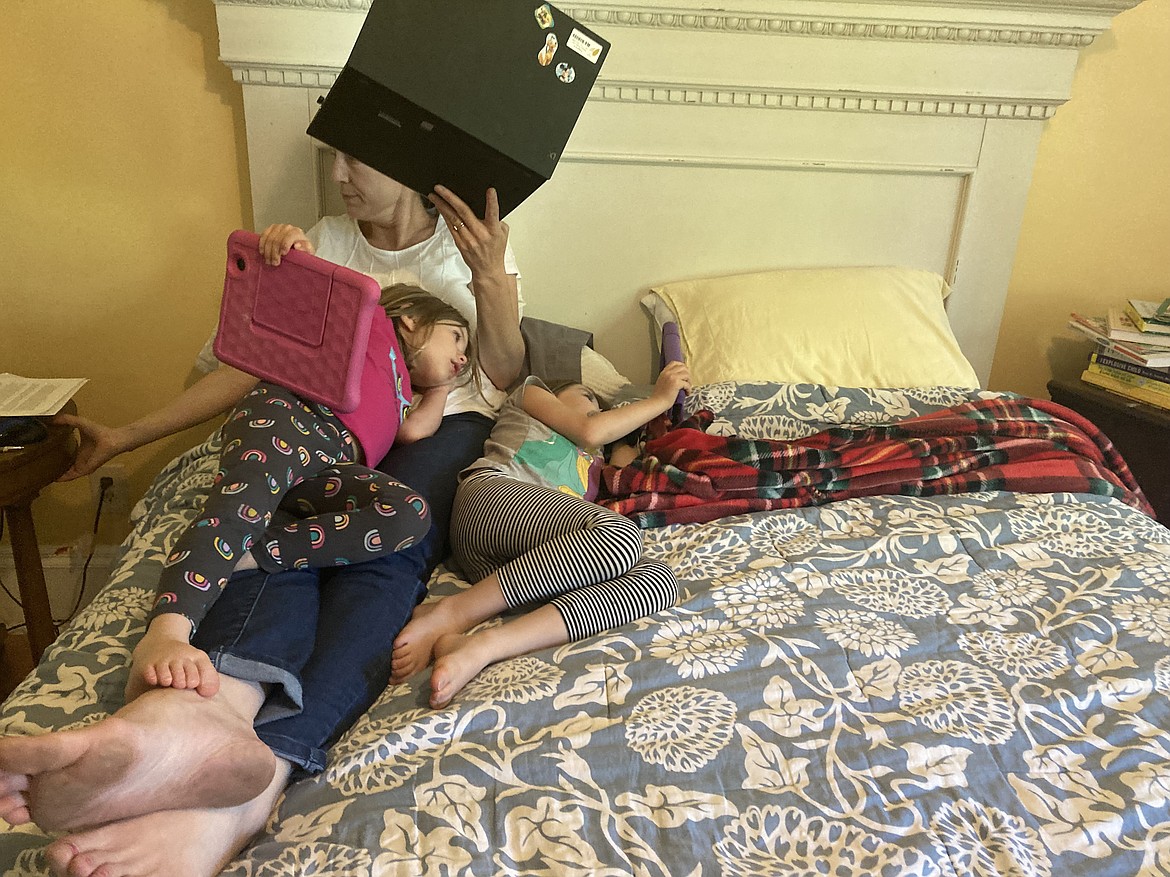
<point>427,311</point>
<point>556,387</point>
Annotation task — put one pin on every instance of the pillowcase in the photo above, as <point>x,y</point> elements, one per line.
<point>554,352</point>
<point>842,327</point>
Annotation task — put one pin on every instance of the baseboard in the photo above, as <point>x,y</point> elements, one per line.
<point>63,566</point>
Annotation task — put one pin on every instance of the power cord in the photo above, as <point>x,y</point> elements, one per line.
<point>104,486</point>
<point>11,596</point>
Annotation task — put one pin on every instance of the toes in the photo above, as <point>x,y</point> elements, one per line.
<point>59,854</point>
<point>178,674</point>
<point>208,682</point>
<point>14,810</point>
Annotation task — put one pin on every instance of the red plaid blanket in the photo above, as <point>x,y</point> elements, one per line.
<point>1008,443</point>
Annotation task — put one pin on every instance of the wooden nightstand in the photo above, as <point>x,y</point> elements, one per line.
<point>1140,432</point>
<point>24,473</point>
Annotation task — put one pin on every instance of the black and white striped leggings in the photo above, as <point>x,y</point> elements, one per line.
<point>544,543</point>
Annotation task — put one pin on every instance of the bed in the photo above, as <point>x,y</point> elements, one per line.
<point>973,682</point>
<point>917,682</point>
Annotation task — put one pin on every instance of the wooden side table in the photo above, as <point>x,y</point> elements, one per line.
<point>1140,432</point>
<point>24,473</point>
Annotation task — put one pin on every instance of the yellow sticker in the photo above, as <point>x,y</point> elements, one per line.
<point>585,46</point>
<point>543,15</point>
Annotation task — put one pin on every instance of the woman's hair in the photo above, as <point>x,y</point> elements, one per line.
<point>427,311</point>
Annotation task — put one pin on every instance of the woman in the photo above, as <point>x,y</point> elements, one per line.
<point>389,232</point>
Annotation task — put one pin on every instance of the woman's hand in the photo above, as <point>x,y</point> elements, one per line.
<point>481,242</point>
<point>99,444</point>
<point>277,240</point>
<point>674,377</point>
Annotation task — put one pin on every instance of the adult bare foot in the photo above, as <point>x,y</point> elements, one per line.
<point>168,749</point>
<point>13,804</point>
<point>169,843</point>
<point>458,658</point>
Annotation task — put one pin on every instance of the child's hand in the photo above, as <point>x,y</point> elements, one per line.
<point>676,376</point>
<point>276,240</point>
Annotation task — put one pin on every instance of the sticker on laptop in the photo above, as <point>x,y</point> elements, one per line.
<point>543,15</point>
<point>550,48</point>
<point>588,48</point>
<point>565,73</point>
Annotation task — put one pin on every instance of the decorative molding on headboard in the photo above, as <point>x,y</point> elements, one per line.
<point>734,96</point>
<point>984,26</point>
<point>830,26</point>
<point>807,99</point>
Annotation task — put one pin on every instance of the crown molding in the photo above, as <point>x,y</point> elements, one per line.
<point>837,27</point>
<point>811,99</point>
<point>285,75</point>
<point>687,94</point>
<point>986,22</point>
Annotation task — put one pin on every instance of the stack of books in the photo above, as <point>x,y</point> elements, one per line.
<point>1132,358</point>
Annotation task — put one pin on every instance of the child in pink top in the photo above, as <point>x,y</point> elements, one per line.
<point>291,490</point>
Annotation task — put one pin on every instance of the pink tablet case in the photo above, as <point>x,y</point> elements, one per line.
<point>303,325</point>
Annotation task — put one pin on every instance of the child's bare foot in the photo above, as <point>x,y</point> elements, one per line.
<point>167,749</point>
<point>414,646</point>
<point>458,659</point>
<point>164,658</point>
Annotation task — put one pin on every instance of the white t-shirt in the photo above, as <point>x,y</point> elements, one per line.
<point>434,264</point>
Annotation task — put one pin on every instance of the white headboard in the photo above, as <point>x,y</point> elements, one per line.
<point>783,133</point>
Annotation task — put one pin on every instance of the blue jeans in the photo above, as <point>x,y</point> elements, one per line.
<point>321,639</point>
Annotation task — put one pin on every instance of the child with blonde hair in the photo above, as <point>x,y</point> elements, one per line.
<point>289,457</point>
<point>524,530</point>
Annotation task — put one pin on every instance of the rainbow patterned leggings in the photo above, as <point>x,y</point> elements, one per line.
<point>289,491</point>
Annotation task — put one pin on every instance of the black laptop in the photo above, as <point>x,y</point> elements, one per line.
<point>463,93</point>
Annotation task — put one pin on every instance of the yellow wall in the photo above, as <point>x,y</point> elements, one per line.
<point>1097,226</point>
<point>124,169</point>
<point>122,173</point>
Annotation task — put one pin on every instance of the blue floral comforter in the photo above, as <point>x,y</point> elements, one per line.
<point>971,684</point>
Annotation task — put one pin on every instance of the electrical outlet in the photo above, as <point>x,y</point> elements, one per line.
<point>117,500</point>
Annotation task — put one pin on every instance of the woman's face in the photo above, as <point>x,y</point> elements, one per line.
<point>440,360</point>
<point>369,196</point>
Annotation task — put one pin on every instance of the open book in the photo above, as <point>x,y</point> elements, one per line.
<point>35,397</point>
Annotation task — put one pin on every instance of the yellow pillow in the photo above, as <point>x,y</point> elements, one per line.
<point>844,327</point>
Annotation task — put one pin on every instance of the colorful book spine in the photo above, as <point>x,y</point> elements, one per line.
<point>1097,329</point>
<point>1132,380</point>
<point>1159,375</point>
<point>1129,391</point>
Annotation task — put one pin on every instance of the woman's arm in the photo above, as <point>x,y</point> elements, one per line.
<point>211,395</point>
<point>482,244</point>
<point>593,431</point>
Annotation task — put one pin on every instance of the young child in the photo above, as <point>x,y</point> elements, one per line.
<point>283,454</point>
<point>524,530</point>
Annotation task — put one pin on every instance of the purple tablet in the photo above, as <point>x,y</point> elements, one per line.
<point>304,324</point>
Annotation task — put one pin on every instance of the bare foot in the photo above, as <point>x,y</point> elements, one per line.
<point>165,658</point>
<point>13,804</point>
<point>167,749</point>
<point>458,658</point>
<point>169,843</point>
<point>414,646</point>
